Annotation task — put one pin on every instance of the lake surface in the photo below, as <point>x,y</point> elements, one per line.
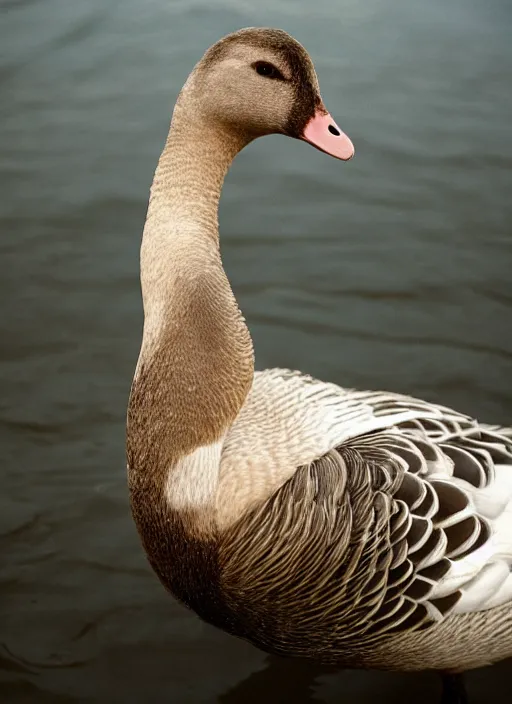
<point>393,271</point>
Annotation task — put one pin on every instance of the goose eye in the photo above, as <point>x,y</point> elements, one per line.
<point>263,68</point>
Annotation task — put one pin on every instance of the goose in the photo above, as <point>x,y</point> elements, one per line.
<point>357,528</point>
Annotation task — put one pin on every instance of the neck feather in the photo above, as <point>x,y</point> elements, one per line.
<point>196,362</point>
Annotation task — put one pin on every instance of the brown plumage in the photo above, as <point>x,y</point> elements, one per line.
<point>366,529</point>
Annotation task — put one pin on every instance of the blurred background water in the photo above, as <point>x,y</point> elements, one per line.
<point>392,271</point>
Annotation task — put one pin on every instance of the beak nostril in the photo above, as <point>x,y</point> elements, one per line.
<point>332,129</point>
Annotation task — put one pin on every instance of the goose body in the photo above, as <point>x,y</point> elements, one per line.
<point>367,529</point>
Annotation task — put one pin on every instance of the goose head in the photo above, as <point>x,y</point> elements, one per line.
<point>260,81</point>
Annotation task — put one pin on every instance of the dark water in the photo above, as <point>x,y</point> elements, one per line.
<point>392,271</point>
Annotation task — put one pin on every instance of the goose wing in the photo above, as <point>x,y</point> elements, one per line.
<point>403,520</point>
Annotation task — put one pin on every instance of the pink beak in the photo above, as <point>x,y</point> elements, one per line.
<point>324,134</point>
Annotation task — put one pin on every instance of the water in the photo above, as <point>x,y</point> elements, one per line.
<point>392,271</point>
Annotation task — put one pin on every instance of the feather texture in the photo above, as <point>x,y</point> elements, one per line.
<point>403,521</point>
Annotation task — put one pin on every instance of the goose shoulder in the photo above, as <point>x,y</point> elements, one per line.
<point>291,419</point>
<point>403,520</point>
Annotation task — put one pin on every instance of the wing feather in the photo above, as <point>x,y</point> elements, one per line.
<point>368,512</point>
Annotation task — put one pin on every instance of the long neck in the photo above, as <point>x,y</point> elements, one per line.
<point>196,362</point>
